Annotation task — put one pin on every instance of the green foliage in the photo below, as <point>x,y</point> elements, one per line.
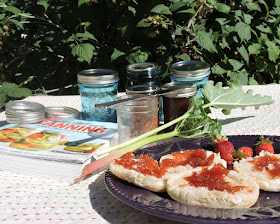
<point>232,97</point>
<point>198,124</point>
<point>45,43</point>
<point>11,91</point>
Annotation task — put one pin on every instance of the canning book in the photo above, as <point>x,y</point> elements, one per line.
<point>71,141</point>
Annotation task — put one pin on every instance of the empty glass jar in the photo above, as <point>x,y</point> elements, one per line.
<point>137,117</point>
<point>98,86</point>
<point>143,74</point>
<point>143,78</point>
<point>196,72</point>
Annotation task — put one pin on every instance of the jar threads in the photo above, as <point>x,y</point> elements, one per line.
<point>98,86</point>
<point>196,72</point>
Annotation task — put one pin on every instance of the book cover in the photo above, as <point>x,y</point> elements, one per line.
<point>72,141</point>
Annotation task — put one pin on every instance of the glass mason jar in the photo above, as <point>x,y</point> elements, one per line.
<point>175,104</point>
<point>142,74</point>
<point>143,78</point>
<point>196,72</point>
<point>98,86</point>
<point>137,117</point>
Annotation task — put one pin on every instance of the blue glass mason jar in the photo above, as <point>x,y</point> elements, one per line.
<point>195,72</point>
<point>98,86</point>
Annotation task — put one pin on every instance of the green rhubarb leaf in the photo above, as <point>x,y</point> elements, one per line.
<point>198,124</point>
<point>232,97</point>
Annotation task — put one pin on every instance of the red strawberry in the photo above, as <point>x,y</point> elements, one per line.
<point>243,152</point>
<point>224,147</point>
<point>264,144</point>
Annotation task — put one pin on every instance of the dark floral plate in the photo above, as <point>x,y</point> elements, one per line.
<point>266,209</point>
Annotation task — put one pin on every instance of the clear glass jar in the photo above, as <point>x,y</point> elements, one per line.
<point>98,86</point>
<point>142,74</point>
<point>195,72</point>
<point>143,78</point>
<point>137,117</point>
<point>176,104</point>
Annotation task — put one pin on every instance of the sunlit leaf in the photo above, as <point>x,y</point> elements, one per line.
<point>143,23</point>
<point>235,64</point>
<point>254,48</point>
<point>81,2</point>
<point>161,9</point>
<point>243,30</point>
<point>43,3</point>
<point>116,54</point>
<point>204,39</point>
<point>273,50</point>
<point>242,50</point>
<point>232,97</point>
<point>84,52</point>
<point>137,56</point>
<point>184,57</point>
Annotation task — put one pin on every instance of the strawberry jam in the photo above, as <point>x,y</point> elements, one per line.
<point>145,164</point>
<point>269,163</point>
<point>194,158</point>
<point>213,179</point>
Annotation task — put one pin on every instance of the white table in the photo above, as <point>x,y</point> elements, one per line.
<point>31,199</point>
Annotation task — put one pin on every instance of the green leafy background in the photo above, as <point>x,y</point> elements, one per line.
<point>43,44</point>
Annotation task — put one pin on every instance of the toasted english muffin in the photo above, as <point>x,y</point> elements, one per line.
<point>266,176</point>
<point>181,188</point>
<point>149,179</point>
<point>182,161</point>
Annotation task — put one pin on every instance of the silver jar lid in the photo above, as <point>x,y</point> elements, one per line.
<point>185,90</point>
<point>24,112</point>
<point>190,70</point>
<point>142,67</point>
<point>98,76</point>
<point>61,113</point>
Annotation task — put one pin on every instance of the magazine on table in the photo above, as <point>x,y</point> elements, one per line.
<point>69,141</point>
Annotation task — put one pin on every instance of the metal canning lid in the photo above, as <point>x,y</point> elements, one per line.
<point>19,120</point>
<point>190,70</point>
<point>61,113</point>
<point>140,67</point>
<point>24,112</point>
<point>19,106</point>
<point>98,76</point>
<point>184,89</point>
<point>148,69</point>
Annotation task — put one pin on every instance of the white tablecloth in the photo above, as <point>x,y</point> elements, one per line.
<point>30,199</point>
